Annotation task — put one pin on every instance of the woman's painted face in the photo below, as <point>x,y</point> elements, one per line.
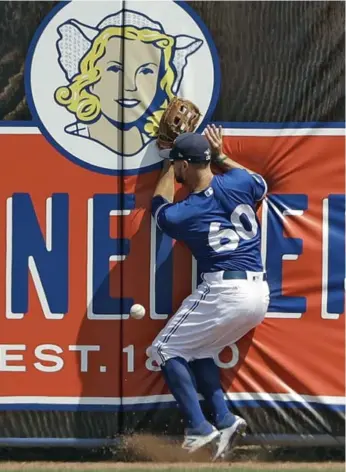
<point>129,79</point>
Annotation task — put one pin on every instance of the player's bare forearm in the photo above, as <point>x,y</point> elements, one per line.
<point>224,162</point>
<point>165,185</point>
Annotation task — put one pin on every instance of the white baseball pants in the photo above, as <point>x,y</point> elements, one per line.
<point>218,313</point>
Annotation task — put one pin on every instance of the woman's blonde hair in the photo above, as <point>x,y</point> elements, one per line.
<point>86,106</point>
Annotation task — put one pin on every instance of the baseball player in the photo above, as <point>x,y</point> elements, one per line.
<point>217,221</point>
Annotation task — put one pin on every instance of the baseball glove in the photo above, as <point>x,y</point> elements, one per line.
<point>180,116</point>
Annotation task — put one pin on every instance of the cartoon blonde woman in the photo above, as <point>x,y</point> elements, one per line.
<point>121,76</point>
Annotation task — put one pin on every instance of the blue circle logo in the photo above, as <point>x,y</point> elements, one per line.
<point>98,79</point>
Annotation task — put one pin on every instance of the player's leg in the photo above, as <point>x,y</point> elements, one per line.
<point>207,375</point>
<point>171,350</point>
<point>214,316</point>
<point>240,306</point>
<point>180,382</point>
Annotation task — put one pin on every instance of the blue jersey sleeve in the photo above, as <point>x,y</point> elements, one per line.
<point>166,215</point>
<point>253,183</point>
<point>260,187</point>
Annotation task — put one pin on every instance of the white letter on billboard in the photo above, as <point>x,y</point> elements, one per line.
<point>58,362</point>
<point>83,354</point>
<point>5,357</point>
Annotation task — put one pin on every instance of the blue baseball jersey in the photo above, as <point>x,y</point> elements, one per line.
<point>219,224</point>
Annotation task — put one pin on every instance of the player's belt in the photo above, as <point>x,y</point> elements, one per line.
<point>241,274</point>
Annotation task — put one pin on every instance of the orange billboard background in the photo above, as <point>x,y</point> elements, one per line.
<point>86,356</point>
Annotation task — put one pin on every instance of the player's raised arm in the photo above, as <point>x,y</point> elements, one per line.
<point>214,136</point>
<point>165,185</point>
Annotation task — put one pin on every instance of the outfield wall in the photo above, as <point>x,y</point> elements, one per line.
<point>79,245</point>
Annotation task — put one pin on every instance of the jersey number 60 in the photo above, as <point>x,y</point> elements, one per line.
<point>222,240</point>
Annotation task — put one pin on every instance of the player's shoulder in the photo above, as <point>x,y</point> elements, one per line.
<point>234,178</point>
<point>190,207</point>
<point>179,211</point>
<point>240,180</point>
<point>236,174</point>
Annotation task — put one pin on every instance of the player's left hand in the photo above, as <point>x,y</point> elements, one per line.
<point>167,164</point>
<point>214,137</point>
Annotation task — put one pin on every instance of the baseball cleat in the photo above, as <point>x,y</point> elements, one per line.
<point>228,437</point>
<point>194,442</point>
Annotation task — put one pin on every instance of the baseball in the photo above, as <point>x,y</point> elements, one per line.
<point>137,311</point>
